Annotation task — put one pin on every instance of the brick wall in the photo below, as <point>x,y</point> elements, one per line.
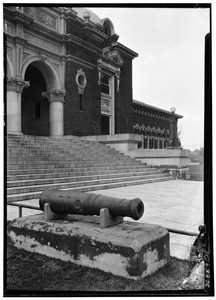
<point>78,122</point>
<point>124,102</point>
<point>88,122</point>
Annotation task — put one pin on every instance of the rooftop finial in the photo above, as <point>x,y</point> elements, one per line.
<point>86,15</point>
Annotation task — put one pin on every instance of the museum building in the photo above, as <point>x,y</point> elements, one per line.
<point>67,74</point>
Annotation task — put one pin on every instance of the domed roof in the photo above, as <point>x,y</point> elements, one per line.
<point>81,10</point>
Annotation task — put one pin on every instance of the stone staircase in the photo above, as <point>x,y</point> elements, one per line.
<point>36,163</point>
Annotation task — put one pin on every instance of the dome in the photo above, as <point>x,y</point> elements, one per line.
<point>81,10</point>
<point>87,14</point>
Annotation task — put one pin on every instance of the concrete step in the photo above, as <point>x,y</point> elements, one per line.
<point>22,148</point>
<point>34,195</point>
<point>32,152</point>
<point>27,159</point>
<point>81,153</point>
<point>65,185</point>
<point>37,163</point>
<point>48,180</point>
<point>70,162</point>
<point>81,174</point>
<point>59,143</point>
<point>60,169</point>
<point>50,173</point>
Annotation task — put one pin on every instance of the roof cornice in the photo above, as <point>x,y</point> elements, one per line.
<point>155,108</point>
<point>124,49</point>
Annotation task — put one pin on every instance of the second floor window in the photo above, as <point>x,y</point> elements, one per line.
<point>105,84</point>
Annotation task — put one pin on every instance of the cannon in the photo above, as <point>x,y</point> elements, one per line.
<point>70,202</point>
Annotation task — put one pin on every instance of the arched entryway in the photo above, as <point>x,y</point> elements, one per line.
<point>35,101</point>
<point>35,107</point>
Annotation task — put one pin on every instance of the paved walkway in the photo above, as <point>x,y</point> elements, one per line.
<point>174,204</point>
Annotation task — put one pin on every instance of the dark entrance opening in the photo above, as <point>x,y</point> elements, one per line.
<point>105,125</point>
<point>35,108</point>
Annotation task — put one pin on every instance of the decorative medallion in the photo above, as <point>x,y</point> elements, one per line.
<point>112,55</point>
<point>81,81</point>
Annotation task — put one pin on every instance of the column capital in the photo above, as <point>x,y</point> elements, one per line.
<point>55,96</point>
<point>16,84</point>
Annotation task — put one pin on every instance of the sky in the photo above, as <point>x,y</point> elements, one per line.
<point>169,70</point>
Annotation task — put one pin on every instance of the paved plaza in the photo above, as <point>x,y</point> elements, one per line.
<point>176,204</point>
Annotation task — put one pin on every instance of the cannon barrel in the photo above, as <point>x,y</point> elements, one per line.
<point>70,202</point>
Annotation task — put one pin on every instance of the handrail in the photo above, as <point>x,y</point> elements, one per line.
<point>24,205</point>
<point>21,207</point>
<point>177,231</point>
<point>183,232</point>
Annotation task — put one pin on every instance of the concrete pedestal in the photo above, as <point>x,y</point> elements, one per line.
<point>131,249</point>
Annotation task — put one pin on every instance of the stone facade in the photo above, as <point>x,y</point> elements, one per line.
<point>67,74</point>
<point>35,45</point>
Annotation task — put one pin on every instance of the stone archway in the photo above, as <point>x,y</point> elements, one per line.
<point>52,94</point>
<point>38,111</point>
<point>35,107</point>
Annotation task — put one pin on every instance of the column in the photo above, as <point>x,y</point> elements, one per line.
<point>14,116</point>
<point>56,112</point>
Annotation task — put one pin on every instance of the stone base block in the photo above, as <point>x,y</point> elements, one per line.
<point>161,157</point>
<point>120,142</point>
<point>130,249</point>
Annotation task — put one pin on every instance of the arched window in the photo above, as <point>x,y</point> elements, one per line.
<point>108,26</point>
<point>107,29</point>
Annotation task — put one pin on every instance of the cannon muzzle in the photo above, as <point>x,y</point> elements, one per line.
<point>70,202</point>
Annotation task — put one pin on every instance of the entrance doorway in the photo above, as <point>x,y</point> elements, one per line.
<point>35,108</point>
<point>105,124</point>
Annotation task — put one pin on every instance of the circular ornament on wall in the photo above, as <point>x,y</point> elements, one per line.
<point>81,80</point>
